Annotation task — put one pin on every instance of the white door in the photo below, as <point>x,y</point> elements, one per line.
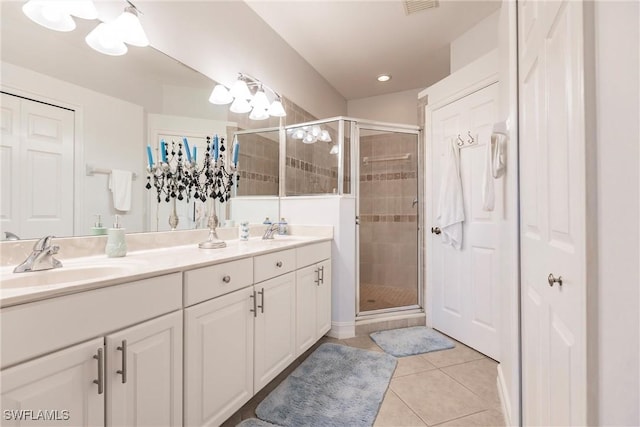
<point>37,168</point>
<point>552,192</point>
<point>218,354</point>
<point>61,383</point>
<point>275,337</point>
<point>144,370</point>
<point>465,283</point>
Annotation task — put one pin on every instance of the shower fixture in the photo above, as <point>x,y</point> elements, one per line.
<point>242,99</point>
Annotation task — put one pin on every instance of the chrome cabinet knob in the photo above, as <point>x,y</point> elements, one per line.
<point>551,279</point>
<point>279,264</point>
<point>435,230</point>
<point>226,279</point>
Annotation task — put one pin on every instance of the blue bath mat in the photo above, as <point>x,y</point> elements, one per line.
<point>409,341</point>
<point>254,422</point>
<point>335,386</point>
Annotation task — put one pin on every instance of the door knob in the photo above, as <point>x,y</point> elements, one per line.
<point>551,279</point>
<point>435,230</point>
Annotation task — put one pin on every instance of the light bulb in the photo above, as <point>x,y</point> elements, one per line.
<point>334,149</point>
<point>130,29</point>
<point>260,100</point>
<point>325,136</point>
<point>258,114</point>
<point>309,139</point>
<point>315,130</point>
<point>220,95</point>
<point>240,90</point>
<point>240,106</point>
<point>50,14</point>
<point>298,134</point>
<point>276,109</point>
<point>106,40</point>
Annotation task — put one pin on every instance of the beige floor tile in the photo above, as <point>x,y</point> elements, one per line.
<point>490,418</point>
<point>412,365</point>
<point>436,397</point>
<point>459,354</point>
<point>479,376</point>
<point>395,413</point>
<point>363,342</point>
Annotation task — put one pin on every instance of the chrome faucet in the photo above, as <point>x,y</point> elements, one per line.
<point>10,236</point>
<point>270,231</point>
<point>41,258</point>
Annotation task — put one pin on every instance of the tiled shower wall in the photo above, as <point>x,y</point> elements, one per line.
<point>388,219</point>
<point>258,163</point>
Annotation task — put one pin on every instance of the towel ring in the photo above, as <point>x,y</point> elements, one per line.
<point>459,141</point>
<point>470,141</point>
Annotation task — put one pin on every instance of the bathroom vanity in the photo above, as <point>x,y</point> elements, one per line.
<point>174,336</point>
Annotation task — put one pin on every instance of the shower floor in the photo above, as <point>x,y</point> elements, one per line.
<point>377,297</point>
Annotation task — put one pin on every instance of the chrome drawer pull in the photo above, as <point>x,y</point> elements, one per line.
<point>553,280</point>
<point>226,279</point>
<point>123,372</point>
<point>255,309</point>
<point>100,380</point>
<point>317,279</point>
<point>322,275</point>
<point>279,264</point>
<point>261,306</point>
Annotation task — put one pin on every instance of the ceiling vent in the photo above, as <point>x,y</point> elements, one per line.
<point>413,6</point>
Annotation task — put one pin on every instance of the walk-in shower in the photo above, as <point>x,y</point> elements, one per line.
<point>377,164</point>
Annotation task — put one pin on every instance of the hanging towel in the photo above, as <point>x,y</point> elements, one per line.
<point>120,186</point>
<point>450,203</point>
<point>498,162</point>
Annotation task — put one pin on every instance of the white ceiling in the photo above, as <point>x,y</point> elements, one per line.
<point>350,43</point>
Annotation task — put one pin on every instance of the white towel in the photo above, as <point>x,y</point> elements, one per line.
<point>120,186</point>
<point>450,203</point>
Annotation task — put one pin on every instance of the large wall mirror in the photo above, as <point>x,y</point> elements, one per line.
<point>70,115</point>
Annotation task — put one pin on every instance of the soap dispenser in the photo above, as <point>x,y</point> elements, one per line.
<point>116,242</point>
<point>98,229</point>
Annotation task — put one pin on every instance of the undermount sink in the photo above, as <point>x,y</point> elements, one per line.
<point>60,275</point>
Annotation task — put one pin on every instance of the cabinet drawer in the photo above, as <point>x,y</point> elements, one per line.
<point>209,282</point>
<point>274,264</point>
<point>311,254</point>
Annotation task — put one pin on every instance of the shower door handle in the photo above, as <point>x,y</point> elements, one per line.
<point>415,202</point>
<point>435,230</point>
<point>357,220</point>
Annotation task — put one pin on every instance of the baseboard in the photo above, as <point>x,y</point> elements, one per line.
<point>505,404</point>
<point>342,330</point>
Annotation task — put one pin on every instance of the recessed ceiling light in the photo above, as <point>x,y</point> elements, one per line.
<point>384,77</point>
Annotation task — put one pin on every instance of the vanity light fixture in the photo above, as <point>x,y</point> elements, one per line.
<point>105,39</point>
<point>243,101</point>
<point>334,149</point>
<point>129,27</point>
<point>57,15</point>
<point>384,77</point>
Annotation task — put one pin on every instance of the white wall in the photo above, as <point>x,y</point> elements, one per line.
<point>618,212</point>
<point>222,38</point>
<point>397,107</point>
<point>112,136</point>
<point>339,212</point>
<point>477,41</point>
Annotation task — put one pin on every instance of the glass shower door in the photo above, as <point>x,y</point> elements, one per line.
<point>388,233</point>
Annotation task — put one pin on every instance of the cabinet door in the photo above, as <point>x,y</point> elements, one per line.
<point>218,357</point>
<point>144,374</point>
<point>275,328</point>
<point>323,299</point>
<point>306,284</point>
<point>60,383</point>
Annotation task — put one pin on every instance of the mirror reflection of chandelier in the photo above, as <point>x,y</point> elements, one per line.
<point>310,134</point>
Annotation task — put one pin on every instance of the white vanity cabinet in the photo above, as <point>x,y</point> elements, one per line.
<point>313,295</point>
<point>61,383</point>
<point>86,377</point>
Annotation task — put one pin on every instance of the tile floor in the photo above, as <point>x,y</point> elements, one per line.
<point>375,297</point>
<point>454,387</point>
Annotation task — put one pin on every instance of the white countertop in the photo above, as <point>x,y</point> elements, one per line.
<point>93,272</point>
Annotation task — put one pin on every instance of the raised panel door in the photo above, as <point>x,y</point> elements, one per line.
<point>218,354</point>
<point>61,384</point>
<point>144,369</point>
<point>275,329</point>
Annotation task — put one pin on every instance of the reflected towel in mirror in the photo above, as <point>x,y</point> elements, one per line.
<point>120,186</point>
